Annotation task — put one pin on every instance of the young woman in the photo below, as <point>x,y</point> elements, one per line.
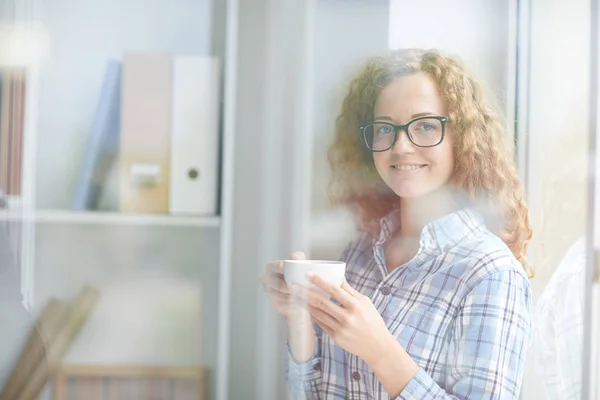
<point>436,302</point>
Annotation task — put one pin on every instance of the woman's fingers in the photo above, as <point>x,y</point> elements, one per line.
<point>314,299</point>
<point>275,282</point>
<point>326,328</point>
<point>275,267</point>
<point>275,287</point>
<point>278,295</point>
<point>323,318</point>
<point>297,256</point>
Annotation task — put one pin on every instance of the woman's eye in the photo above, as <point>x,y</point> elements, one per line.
<point>383,129</point>
<point>427,127</point>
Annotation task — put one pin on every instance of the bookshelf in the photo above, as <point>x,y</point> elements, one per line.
<point>108,218</point>
<point>57,248</point>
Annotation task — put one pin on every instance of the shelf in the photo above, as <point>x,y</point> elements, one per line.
<point>108,218</point>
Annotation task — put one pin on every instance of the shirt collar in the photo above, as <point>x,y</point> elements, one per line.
<point>442,233</point>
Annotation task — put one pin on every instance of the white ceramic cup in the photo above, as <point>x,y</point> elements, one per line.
<point>294,271</point>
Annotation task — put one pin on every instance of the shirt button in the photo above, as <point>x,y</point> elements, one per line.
<point>385,290</point>
<point>356,376</point>
<point>317,367</point>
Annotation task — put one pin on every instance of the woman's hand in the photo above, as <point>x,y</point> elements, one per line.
<point>279,294</point>
<point>355,324</point>
<point>301,333</point>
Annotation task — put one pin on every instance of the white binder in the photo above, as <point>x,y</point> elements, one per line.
<point>195,135</point>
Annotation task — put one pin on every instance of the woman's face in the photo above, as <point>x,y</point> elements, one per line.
<point>409,170</point>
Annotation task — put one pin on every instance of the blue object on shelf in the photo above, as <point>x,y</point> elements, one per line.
<point>103,143</point>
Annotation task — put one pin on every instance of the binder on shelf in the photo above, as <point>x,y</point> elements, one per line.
<point>194,135</point>
<point>145,142</point>
<point>5,116</point>
<point>103,142</point>
<point>16,139</point>
<point>12,113</point>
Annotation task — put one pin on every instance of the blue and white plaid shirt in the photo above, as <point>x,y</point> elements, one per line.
<point>461,308</point>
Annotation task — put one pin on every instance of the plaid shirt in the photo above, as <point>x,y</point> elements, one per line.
<point>461,308</point>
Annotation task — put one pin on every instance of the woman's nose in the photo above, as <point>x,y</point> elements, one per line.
<point>403,144</point>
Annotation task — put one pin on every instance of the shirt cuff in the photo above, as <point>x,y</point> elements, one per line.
<point>306,370</point>
<point>421,386</point>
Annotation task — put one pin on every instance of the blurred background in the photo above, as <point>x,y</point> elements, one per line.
<point>155,155</point>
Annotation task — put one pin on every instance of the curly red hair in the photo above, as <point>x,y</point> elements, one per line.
<point>484,164</point>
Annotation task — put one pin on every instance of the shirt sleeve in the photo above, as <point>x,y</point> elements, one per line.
<point>305,380</point>
<point>487,352</point>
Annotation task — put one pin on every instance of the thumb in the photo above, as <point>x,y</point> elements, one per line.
<point>298,256</point>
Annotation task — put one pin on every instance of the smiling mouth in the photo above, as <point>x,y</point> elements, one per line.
<point>412,167</point>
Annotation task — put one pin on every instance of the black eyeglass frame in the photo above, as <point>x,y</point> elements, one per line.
<point>397,128</point>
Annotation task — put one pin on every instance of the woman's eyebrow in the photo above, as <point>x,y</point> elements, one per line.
<point>417,115</point>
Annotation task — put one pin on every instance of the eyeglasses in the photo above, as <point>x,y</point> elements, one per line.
<point>422,132</point>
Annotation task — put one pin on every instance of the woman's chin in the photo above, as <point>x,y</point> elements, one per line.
<point>410,191</point>
<point>413,190</point>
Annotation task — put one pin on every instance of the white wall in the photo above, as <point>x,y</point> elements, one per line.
<point>477,31</point>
